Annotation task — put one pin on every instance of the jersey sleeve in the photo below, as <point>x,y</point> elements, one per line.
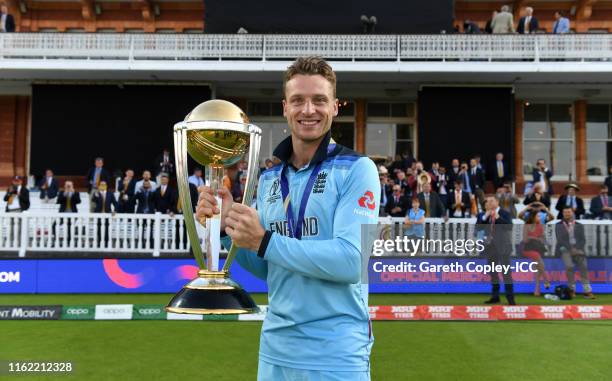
<point>248,259</point>
<point>337,259</point>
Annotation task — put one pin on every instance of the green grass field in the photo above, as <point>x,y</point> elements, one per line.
<point>186,350</point>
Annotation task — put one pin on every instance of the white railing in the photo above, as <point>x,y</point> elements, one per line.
<point>442,47</point>
<point>47,231</point>
<point>598,233</point>
<point>90,232</point>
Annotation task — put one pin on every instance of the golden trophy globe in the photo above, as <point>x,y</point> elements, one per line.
<point>216,134</point>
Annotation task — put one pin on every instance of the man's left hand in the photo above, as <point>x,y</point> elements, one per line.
<point>243,226</point>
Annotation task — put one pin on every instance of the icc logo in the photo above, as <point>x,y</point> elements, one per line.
<point>274,188</point>
<point>367,200</point>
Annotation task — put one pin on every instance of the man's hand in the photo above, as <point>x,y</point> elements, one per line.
<point>242,224</point>
<point>207,204</point>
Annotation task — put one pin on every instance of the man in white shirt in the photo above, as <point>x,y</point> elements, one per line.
<point>146,176</point>
<point>196,178</point>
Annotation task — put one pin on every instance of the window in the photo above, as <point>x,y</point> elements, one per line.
<point>599,140</point>
<point>548,134</point>
<point>265,109</point>
<point>390,129</point>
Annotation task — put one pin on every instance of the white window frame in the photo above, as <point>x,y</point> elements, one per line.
<point>572,140</point>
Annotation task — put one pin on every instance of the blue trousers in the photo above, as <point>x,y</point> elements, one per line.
<point>269,372</point>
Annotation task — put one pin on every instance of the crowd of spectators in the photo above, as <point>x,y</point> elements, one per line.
<point>459,191</point>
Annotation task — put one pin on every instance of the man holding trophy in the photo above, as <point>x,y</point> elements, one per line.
<point>305,238</point>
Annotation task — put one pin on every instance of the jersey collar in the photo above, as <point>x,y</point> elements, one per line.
<point>284,150</point>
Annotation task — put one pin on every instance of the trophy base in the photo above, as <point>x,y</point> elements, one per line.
<point>212,293</point>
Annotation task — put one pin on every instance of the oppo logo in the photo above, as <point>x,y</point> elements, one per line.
<point>113,310</point>
<point>10,276</point>
<point>149,311</point>
<point>77,311</point>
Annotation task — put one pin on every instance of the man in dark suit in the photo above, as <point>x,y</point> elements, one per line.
<point>397,204</point>
<point>542,175</point>
<point>96,175</point>
<point>572,200</point>
<point>477,181</point>
<point>127,189</point>
<point>17,197</point>
<point>145,199</point>
<point>458,202</point>
<point>499,172</point>
<point>48,186</point>
<point>165,197</point>
<point>68,199</point>
<point>385,190</point>
<point>164,163</point>
<point>453,173</point>
<point>104,200</point>
<point>430,202</point>
<point>496,225</point>
<point>571,244</point>
<point>7,21</point>
<point>601,205</point>
<point>528,23</point>
<point>608,181</point>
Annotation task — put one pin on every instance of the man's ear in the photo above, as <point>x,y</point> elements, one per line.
<point>284,108</point>
<point>336,102</point>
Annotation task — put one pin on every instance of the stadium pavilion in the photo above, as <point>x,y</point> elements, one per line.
<point>82,79</point>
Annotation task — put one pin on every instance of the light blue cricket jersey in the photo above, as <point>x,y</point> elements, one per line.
<point>318,308</point>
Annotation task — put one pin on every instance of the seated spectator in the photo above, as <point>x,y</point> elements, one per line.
<point>415,221</point>
<point>146,176</point>
<point>601,205</point>
<point>145,199</point>
<point>196,179</point>
<point>104,201</point>
<point>537,195</point>
<point>68,199</point>
<point>17,197</point>
<point>538,208</point>
<point>48,186</point>
<point>127,189</point>
<point>572,200</point>
<point>165,196</point>
<point>7,21</point>
<point>397,204</point>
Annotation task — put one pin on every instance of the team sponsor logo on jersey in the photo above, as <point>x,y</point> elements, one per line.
<point>319,185</point>
<point>274,193</point>
<point>310,228</point>
<point>367,200</point>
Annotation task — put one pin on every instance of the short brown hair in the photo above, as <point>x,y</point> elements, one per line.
<point>311,65</point>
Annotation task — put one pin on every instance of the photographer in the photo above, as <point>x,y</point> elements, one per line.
<point>570,244</point>
<point>17,197</point>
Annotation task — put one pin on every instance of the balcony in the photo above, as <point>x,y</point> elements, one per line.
<point>420,58</point>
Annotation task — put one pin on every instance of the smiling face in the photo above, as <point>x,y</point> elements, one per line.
<point>309,106</point>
